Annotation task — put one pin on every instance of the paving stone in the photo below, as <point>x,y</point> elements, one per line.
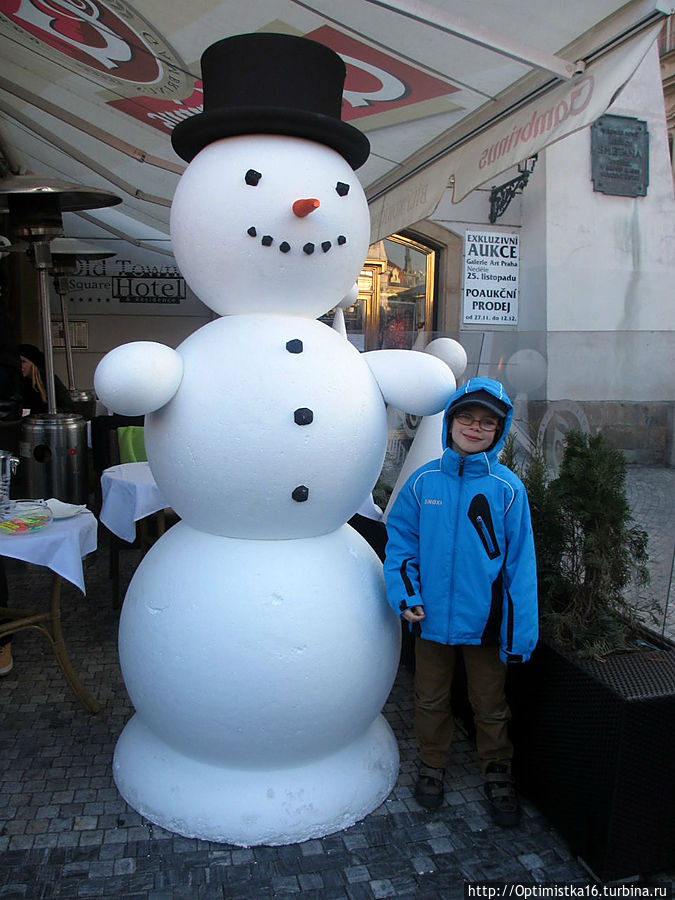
<point>382,888</point>
<point>111,850</point>
<point>357,873</point>
<point>334,879</point>
<point>311,848</point>
<point>354,841</point>
<point>324,863</point>
<point>311,882</point>
<point>124,866</point>
<point>21,842</point>
<point>530,861</point>
<point>441,845</point>
<point>360,891</point>
<point>327,893</point>
<point>423,864</point>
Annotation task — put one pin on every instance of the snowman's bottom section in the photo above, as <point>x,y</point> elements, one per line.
<point>249,807</point>
<point>258,670</point>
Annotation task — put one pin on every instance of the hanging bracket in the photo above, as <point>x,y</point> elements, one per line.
<point>501,196</point>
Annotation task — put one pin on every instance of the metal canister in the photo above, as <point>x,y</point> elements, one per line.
<point>53,452</point>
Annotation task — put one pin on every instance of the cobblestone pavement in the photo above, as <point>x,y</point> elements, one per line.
<point>66,832</point>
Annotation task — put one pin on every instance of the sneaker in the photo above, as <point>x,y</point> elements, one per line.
<point>6,661</point>
<point>429,787</point>
<point>501,794</point>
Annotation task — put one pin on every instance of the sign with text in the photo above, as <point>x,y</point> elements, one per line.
<point>161,289</point>
<point>620,156</point>
<point>491,268</point>
<point>136,282</point>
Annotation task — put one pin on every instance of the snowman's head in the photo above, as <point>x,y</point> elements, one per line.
<point>269,224</point>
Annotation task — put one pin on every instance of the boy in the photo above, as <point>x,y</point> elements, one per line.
<point>460,568</point>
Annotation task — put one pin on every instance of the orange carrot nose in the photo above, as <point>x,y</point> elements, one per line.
<point>303,208</point>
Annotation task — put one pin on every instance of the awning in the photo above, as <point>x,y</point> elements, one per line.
<point>562,111</point>
<point>413,200</point>
<point>90,92</point>
<point>536,124</point>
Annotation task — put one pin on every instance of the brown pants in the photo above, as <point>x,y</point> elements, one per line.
<point>486,676</point>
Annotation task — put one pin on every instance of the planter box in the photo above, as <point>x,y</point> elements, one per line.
<point>595,752</point>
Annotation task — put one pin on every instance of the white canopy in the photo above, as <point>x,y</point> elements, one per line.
<point>90,90</point>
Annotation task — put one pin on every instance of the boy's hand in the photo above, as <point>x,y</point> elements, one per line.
<point>413,614</point>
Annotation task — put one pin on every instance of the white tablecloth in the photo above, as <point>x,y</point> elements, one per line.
<point>129,493</point>
<point>60,546</point>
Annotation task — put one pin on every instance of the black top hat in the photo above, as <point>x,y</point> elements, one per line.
<point>271,84</point>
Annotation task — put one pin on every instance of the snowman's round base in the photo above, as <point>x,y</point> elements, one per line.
<point>247,807</point>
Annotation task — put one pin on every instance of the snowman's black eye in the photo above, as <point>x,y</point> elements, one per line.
<point>342,189</point>
<point>252,177</point>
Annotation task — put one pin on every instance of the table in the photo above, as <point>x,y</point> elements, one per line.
<point>60,546</point>
<point>129,493</point>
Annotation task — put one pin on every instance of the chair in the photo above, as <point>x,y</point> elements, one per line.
<point>131,443</point>
<point>114,440</point>
<point>105,447</point>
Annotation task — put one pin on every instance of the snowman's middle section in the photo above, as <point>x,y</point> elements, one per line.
<point>278,429</point>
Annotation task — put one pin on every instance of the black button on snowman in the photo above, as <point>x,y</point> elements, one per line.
<point>255,640</point>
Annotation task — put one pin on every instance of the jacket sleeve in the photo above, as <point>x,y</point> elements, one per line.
<point>520,620</point>
<point>401,564</point>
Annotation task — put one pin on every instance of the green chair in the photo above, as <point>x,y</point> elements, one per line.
<point>131,443</point>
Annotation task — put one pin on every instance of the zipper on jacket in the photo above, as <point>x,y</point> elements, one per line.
<point>510,612</point>
<point>489,543</point>
<point>460,473</point>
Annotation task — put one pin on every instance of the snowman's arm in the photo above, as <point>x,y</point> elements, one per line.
<point>136,379</point>
<point>412,381</point>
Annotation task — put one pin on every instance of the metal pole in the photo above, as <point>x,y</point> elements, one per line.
<point>43,260</point>
<point>60,287</point>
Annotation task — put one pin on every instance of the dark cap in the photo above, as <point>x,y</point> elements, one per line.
<point>479,398</point>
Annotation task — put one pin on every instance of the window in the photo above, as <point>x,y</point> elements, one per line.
<point>396,292</point>
<point>406,293</point>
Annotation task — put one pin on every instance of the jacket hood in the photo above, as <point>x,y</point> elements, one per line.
<point>496,389</point>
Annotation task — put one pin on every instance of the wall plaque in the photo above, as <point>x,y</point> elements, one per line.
<point>620,156</point>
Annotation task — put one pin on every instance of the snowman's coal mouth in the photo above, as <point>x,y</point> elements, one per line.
<point>266,240</point>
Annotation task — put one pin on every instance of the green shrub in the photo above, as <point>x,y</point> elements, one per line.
<point>588,548</point>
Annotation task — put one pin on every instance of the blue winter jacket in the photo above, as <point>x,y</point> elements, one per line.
<point>460,545</point>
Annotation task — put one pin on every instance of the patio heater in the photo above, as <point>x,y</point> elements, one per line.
<point>53,445</point>
<point>66,252</point>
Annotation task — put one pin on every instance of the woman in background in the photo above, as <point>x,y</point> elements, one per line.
<point>34,390</point>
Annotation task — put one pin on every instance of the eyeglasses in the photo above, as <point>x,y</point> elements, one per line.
<point>486,424</point>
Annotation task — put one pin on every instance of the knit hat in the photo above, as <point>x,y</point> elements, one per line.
<point>34,354</point>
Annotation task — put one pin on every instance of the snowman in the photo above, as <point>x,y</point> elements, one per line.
<point>255,641</point>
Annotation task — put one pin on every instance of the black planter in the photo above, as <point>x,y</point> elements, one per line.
<point>595,752</point>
